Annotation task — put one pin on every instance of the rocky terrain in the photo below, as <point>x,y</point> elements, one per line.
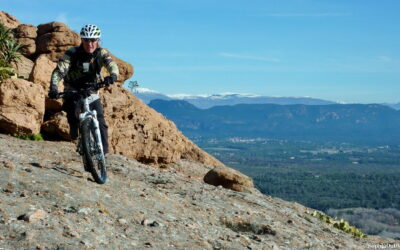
<point>49,202</point>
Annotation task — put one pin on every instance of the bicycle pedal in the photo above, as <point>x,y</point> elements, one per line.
<point>79,151</point>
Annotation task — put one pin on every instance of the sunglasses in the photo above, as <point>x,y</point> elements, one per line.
<point>87,40</point>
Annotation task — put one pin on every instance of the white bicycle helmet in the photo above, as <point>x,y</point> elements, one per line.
<point>90,31</point>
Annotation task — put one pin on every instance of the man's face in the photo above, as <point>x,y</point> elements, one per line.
<point>90,44</point>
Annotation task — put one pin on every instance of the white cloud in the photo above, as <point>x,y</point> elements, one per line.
<point>223,95</point>
<point>385,59</point>
<point>62,18</point>
<point>323,14</point>
<point>146,90</point>
<point>246,57</point>
<point>187,96</point>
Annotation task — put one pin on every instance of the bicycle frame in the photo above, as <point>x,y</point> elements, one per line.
<point>87,113</point>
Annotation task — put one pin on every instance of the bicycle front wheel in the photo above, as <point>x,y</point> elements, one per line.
<point>93,154</point>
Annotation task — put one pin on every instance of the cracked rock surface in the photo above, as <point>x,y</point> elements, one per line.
<point>49,202</point>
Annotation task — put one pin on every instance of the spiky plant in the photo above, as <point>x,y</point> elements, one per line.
<point>9,52</point>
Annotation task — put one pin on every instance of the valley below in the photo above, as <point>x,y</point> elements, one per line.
<point>358,183</point>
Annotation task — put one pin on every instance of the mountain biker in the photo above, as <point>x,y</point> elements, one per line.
<point>81,65</point>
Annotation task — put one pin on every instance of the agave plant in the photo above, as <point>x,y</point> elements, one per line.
<point>6,72</point>
<point>9,52</point>
<point>4,33</point>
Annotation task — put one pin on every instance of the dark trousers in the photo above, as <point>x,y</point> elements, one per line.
<point>72,107</point>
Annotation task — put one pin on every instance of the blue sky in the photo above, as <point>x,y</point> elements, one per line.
<point>340,50</point>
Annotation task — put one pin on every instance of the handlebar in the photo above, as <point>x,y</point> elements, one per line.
<point>83,91</point>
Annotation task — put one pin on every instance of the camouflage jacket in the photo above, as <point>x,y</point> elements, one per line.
<point>77,67</point>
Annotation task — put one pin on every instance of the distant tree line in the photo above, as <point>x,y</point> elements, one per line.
<point>326,191</point>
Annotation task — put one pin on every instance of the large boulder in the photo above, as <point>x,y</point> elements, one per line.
<point>54,39</point>
<point>26,30</point>
<point>229,178</point>
<point>26,35</point>
<point>21,107</point>
<point>138,131</point>
<point>41,74</point>
<point>57,125</point>
<point>29,46</point>
<point>23,67</point>
<point>42,70</point>
<point>8,20</point>
<point>52,27</point>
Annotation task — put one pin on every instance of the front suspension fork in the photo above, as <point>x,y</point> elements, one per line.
<point>96,127</point>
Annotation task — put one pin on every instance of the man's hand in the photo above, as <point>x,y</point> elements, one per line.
<point>108,80</point>
<point>53,93</point>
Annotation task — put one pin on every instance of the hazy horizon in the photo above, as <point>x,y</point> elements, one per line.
<point>182,95</point>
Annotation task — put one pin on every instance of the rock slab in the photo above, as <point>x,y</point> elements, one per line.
<point>21,106</point>
<point>229,178</point>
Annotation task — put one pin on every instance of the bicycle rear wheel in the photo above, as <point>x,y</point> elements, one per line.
<point>93,155</point>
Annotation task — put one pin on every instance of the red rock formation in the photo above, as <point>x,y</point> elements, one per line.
<point>21,106</point>
<point>26,35</point>
<point>8,20</point>
<point>58,125</point>
<point>23,67</point>
<point>54,39</point>
<point>42,71</point>
<point>41,74</point>
<point>139,132</point>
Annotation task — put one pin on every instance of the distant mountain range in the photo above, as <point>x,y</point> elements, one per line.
<point>366,123</point>
<point>208,101</point>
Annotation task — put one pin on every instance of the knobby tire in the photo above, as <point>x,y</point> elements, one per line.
<point>91,158</point>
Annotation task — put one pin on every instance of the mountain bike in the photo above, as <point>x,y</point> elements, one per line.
<point>89,141</point>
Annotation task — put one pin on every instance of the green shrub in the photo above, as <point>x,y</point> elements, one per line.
<point>35,137</point>
<point>9,53</point>
<point>339,224</point>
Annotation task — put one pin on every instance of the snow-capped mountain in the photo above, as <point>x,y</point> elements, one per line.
<point>208,101</point>
<point>393,105</point>
<point>226,95</point>
<point>146,95</point>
